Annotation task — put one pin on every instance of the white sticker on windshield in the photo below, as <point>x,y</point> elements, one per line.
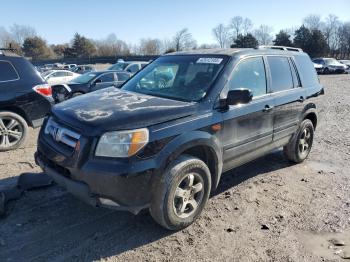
<point>209,60</point>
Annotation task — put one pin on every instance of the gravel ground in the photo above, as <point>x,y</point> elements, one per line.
<point>267,210</point>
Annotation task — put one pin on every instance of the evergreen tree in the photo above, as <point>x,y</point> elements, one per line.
<point>245,41</point>
<point>282,39</point>
<point>82,46</point>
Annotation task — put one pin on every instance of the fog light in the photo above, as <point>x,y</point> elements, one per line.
<point>108,202</point>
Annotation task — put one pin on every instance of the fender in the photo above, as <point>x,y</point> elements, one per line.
<point>189,140</point>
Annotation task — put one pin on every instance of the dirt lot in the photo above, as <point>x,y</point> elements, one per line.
<point>268,210</point>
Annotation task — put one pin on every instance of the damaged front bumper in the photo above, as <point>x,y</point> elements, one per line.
<point>100,189</point>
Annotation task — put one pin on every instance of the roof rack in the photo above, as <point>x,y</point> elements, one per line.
<point>7,49</point>
<point>285,48</point>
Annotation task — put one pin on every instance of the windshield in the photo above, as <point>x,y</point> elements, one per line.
<point>84,78</point>
<point>185,78</point>
<point>118,66</point>
<point>331,61</point>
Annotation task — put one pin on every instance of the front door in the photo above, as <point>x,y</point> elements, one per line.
<point>248,128</point>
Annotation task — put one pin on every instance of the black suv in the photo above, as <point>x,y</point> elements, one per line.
<point>165,147</point>
<point>25,99</point>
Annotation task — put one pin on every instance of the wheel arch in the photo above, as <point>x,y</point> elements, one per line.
<point>19,112</point>
<point>199,144</point>
<point>311,114</point>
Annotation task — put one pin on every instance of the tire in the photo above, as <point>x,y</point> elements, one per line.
<point>326,71</point>
<point>13,131</point>
<point>172,204</point>
<point>76,94</point>
<point>299,147</point>
<point>59,94</point>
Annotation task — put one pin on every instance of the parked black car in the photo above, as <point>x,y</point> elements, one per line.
<point>25,99</point>
<point>165,148</point>
<point>89,82</point>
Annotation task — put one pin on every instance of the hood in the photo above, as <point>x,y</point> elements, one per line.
<point>113,109</point>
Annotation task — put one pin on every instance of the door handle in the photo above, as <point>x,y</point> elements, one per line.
<point>301,99</point>
<point>267,108</point>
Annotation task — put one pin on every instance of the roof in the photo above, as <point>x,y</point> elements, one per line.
<point>234,51</point>
<point>211,51</point>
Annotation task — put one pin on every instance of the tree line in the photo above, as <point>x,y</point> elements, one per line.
<point>316,36</point>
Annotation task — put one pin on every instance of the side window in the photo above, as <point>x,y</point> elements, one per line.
<point>143,65</point>
<point>133,68</point>
<point>107,77</point>
<point>122,76</point>
<point>8,72</point>
<point>59,74</point>
<point>281,75</point>
<point>250,74</point>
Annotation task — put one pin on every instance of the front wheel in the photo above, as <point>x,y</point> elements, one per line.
<point>13,131</point>
<point>182,193</point>
<point>300,145</point>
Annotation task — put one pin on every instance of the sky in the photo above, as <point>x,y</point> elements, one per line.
<point>130,20</point>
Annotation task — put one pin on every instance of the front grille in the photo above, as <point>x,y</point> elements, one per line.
<point>61,134</point>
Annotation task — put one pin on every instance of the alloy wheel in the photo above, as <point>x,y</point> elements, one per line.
<point>188,195</point>
<point>305,142</point>
<point>11,132</point>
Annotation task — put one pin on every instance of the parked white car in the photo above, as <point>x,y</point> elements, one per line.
<point>57,77</point>
<point>131,67</point>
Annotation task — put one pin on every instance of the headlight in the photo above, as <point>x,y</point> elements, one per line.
<point>122,143</point>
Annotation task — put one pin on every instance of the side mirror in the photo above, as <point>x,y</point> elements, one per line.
<point>239,96</point>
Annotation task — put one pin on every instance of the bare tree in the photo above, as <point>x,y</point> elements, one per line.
<point>313,22</point>
<point>263,34</point>
<point>111,46</point>
<point>183,40</point>
<point>221,35</point>
<point>21,32</point>
<point>331,31</point>
<point>150,46</point>
<point>167,45</point>
<point>236,25</point>
<point>247,26</point>
<point>5,37</point>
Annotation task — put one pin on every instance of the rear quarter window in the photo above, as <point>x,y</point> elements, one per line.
<point>7,72</point>
<point>306,70</point>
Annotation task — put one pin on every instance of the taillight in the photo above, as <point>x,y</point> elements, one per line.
<point>44,90</point>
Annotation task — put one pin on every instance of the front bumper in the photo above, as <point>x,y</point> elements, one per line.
<point>106,183</point>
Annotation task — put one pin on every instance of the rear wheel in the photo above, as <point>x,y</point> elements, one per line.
<point>300,145</point>
<point>13,130</point>
<point>77,94</point>
<point>182,193</point>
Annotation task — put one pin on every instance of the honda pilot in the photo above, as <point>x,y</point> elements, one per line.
<point>165,147</point>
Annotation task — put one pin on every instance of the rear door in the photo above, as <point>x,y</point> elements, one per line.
<point>288,96</point>
<point>8,83</point>
<point>121,78</point>
<point>248,128</point>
